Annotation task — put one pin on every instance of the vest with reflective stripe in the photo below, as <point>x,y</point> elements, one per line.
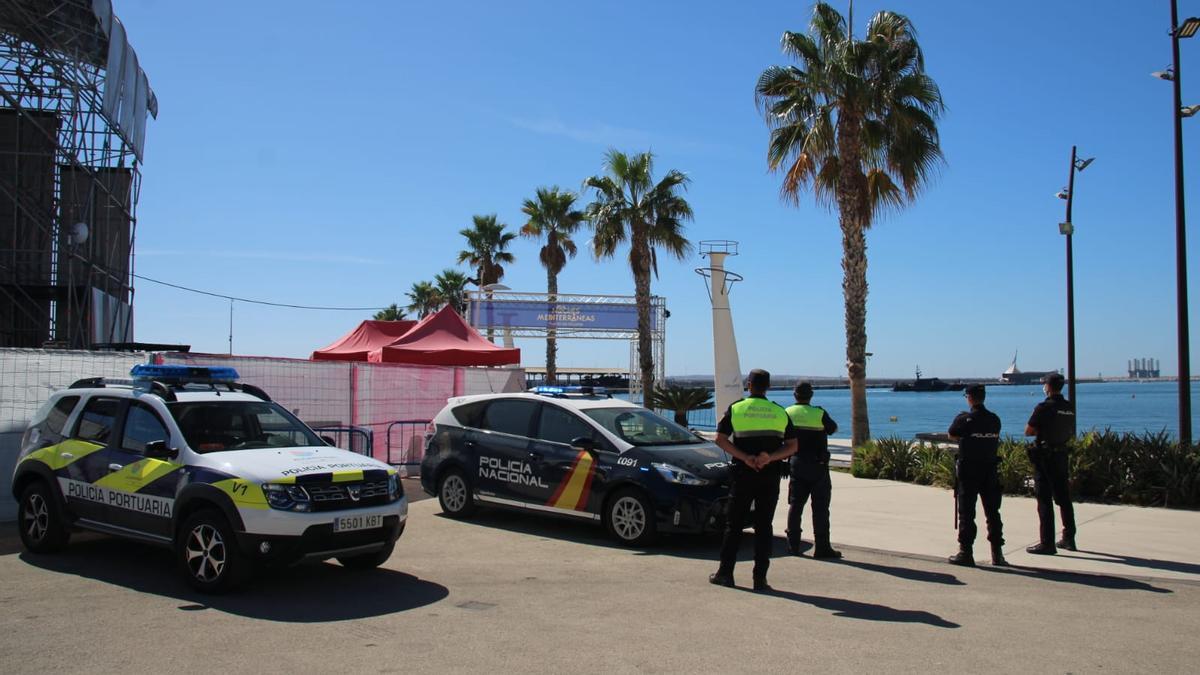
<point>753,417</point>
<point>807,416</point>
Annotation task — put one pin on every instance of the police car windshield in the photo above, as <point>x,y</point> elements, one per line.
<point>215,426</point>
<point>641,427</point>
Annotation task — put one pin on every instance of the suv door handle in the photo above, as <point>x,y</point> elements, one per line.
<point>115,467</point>
<point>535,456</point>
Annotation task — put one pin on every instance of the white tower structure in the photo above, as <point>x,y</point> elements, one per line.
<point>727,371</point>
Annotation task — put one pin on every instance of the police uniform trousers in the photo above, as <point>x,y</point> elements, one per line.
<point>1051,484</point>
<point>809,479</point>
<point>979,481</point>
<point>760,488</point>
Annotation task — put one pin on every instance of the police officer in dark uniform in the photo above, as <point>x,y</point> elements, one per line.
<point>1053,424</point>
<point>758,434</point>
<point>978,434</point>
<point>810,472</point>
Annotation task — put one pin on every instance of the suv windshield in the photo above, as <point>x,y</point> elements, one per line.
<point>214,426</point>
<point>641,427</point>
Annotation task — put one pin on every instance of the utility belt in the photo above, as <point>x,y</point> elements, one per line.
<point>1040,451</point>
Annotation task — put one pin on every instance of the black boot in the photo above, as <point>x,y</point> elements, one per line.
<point>720,579</point>
<point>826,552</point>
<point>794,543</point>
<point>998,555</point>
<point>965,557</point>
<point>1067,543</point>
<point>1041,549</point>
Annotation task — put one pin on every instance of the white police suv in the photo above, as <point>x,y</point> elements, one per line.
<point>576,452</point>
<point>189,458</point>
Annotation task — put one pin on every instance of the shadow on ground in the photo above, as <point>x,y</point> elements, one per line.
<point>1079,578</point>
<point>312,593</point>
<point>1132,561</point>
<point>865,611</point>
<point>691,546</point>
<point>903,572</point>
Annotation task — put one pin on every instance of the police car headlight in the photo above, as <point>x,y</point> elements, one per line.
<point>395,489</point>
<point>287,497</point>
<point>674,474</point>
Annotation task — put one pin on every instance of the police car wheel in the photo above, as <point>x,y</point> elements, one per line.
<point>41,523</point>
<point>630,519</point>
<point>454,495</point>
<point>209,555</point>
<point>368,561</point>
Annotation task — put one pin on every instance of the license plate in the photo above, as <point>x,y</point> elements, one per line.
<point>352,523</point>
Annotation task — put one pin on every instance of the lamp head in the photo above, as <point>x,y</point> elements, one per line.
<point>1062,194</point>
<point>1081,164</point>
<point>1189,110</point>
<point>1167,74</point>
<point>1188,28</point>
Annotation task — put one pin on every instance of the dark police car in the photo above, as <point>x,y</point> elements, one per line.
<point>576,452</point>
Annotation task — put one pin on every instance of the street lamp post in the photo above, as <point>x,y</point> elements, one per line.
<point>1178,31</point>
<point>1067,228</point>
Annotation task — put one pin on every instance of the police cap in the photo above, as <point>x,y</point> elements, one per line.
<point>1055,381</point>
<point>976,392</point>
<point>759,379</point>
<point>803,391</point>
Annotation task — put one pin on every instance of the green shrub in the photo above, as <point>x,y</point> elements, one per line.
<point>934,465</point>
<point>864,463</point>
<point>1014,468</point>
<point>897,458</point>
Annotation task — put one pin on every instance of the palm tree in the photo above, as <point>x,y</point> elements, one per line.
<point>390,313</point>
<point>681,400</point>
<point>855,121</point>
<point>451,286</point>
<point>552,217</point>
<point>630,205</point>
<point>423,299</point>
<point>485,252</point>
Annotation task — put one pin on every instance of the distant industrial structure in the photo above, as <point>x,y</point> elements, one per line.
<point>73,110</point>
<point>1143,368</point>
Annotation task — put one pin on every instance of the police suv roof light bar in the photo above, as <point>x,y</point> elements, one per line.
<point>561,392</point>
<point>184,374</point>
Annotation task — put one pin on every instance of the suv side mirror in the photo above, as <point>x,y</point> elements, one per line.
<point>584,443</point>
<point>328,440</point>
<point>159,450</point>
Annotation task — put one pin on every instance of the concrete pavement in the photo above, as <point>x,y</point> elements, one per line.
<point>918,520</point>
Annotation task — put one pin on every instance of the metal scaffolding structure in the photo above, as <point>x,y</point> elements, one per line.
<point>573,317</point>
<point>73,105</point>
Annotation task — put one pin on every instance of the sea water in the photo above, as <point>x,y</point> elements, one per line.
<point>1121,406</point>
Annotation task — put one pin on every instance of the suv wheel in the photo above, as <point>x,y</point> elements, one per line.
<point>630,518</point>
<point>41,522</point>
<point>454,494</point>
<point>368,561</point>
<point>209,555</point>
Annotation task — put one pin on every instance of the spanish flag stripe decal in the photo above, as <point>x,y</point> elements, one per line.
<point>572,493</point>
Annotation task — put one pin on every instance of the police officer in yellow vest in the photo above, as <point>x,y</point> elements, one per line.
<point>810,472</point>
<point>758,434</point>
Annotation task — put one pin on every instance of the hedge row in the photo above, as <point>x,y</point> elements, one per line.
<point>1146,469</point>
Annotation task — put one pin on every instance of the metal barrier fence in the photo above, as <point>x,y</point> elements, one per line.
<point>408,448</point>
<point>355,439</point>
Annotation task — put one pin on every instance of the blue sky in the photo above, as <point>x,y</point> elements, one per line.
<point>328,153</point>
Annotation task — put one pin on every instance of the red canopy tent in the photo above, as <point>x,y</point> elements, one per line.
<point>444,339</point>
<point>360,342</point>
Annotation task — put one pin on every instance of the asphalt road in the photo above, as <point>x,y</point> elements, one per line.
<point>509,592</point>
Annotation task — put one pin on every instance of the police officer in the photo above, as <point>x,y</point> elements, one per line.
<point>978,434</point>
<point>1053,425</point>
<point>810,472</point>
<point>758,434</point>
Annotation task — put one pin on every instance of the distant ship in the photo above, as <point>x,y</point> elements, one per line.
<point>1015,375</point>
<point>927,384</point>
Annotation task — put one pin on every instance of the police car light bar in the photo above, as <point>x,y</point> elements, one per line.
<point>583,390</point>
<point>177,373</point>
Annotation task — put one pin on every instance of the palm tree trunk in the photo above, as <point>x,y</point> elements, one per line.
<point>639,259</point>
<point>551,341</point>
<point>854,216</point>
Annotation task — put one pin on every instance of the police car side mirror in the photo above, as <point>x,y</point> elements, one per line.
<point>584,443</point>
<point>159,450</point>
